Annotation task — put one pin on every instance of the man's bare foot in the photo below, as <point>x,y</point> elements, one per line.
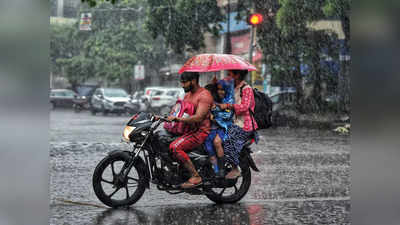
<point>192,182</point>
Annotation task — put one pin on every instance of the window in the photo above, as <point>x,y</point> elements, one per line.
<point>58,94</point>
<point>69,93</point>
<point>172,93</point>
<point>156,92</point>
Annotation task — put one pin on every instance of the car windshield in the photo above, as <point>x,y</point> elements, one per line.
<point>115,93</point>
<point>85,90</point>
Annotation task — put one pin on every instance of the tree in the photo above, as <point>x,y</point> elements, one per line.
<point>341,9</point>
<point>60,45</point>
<point>183,23</point>
<point>93,3</point>
<point>115,44</point>
<point>64,45</point>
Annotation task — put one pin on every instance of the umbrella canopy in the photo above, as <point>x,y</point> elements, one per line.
<point>216,62</point>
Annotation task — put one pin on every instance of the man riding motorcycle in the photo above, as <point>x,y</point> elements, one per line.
<point>202,102</point>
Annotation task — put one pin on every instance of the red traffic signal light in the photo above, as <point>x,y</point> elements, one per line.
<point>255,19</point>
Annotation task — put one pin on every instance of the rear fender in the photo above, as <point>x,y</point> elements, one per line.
<point>138,161</point>
<point>245,156</point>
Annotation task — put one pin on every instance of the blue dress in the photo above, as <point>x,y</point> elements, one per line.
<point>223,118</point>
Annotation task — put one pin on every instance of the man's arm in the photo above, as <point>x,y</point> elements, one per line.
<point>203,108</point>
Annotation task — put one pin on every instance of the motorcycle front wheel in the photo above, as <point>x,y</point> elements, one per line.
<point>114,190</point>
<point>233,193</point>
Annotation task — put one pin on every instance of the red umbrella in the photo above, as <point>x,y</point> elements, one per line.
<point>216,62</point>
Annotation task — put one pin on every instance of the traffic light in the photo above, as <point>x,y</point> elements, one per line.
<point>254,19</point>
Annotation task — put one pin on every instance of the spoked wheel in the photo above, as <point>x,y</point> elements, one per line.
<point>236,189</point>
<point>112,188</point>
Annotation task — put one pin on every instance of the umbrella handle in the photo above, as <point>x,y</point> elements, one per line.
<point>214,80</point>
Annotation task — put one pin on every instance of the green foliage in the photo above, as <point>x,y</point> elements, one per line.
<point>287,43</point>
<point>183,23</point>
<point>93,3</point>
<point>110,50</point>
<point>61,46</point>
<point>336,8</point>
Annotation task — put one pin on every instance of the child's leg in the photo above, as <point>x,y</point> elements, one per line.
<point>211,150</point>
<point>220,153</point>
<point>213,160</point>
<point>218,146</point>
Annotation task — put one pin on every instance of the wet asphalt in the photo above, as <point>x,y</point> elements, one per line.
<point>304,179</point>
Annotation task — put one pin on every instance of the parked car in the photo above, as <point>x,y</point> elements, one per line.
<point>109,100</point>
<point>137,103</point>
<point>283,99</point>
<point>62,98</point>
<point>283,108</point>
<point>86,91</point>
<point>161,99</point>
<point>83,100</point>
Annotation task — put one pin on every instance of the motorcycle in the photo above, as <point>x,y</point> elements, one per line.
<point>121,178</point>
<point>79,103</point>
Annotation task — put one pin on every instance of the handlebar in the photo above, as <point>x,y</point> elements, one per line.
<point>160,118</point>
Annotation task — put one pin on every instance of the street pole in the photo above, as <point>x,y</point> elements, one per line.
<point>250,79</point>
<point>253,29</point>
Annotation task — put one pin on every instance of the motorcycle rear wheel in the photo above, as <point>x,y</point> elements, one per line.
<point>77,109</point>
<point>234,193</point>
<point>106,182</point>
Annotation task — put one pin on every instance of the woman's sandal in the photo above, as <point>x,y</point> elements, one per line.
<point>190,184</point>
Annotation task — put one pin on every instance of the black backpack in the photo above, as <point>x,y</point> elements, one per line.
<point>262,110</point>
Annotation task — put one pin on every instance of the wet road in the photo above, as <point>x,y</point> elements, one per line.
<point>304,179</point>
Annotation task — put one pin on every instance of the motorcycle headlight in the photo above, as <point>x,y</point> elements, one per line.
<point>127,131</point>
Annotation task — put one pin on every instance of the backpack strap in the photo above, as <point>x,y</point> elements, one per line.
<point>251,112</point>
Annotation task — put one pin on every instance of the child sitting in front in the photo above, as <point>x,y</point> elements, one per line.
<point>223,92</point>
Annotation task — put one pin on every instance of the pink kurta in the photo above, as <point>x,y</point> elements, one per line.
<point>242,115</point>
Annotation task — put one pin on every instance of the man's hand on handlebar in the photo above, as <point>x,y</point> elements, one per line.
<point>172,118</point>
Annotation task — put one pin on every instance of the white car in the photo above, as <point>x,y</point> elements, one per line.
<point>109,100</point>
<point>163,98</point>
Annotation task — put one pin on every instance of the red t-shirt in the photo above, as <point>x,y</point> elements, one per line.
<point>201,98</point>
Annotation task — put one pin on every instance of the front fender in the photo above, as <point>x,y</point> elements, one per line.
<point>125,154</point>
<point>137,161</point>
